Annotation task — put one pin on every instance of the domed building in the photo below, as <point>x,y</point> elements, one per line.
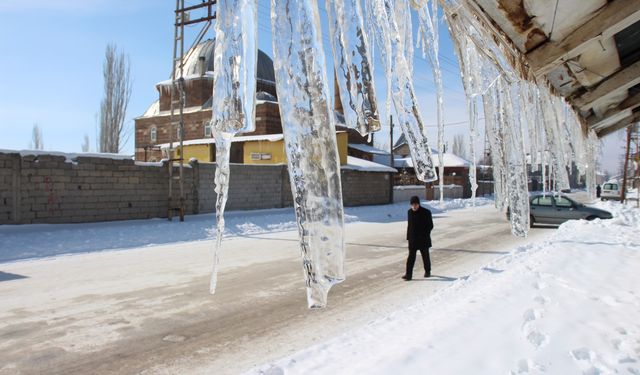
<point>153,127</point>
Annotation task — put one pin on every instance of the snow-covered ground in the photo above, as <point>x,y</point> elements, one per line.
<point>568,305</point>
<point>19,242</point>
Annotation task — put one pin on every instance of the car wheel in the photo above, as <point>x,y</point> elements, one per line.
<point>591,218</point>
<point>532,221</point>
<point>602,199</point>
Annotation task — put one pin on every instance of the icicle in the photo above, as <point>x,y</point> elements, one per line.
<point>516,159</point>
<point>402,17</point>
<point>473,134</point>
<point>491,104</point>
<point>234,95</point>
<point>531,107</point>
<point>554,140</point>
<point>353,65</point>
<point>390,42</point>
<point>310,143</point>
<point>592,150</point>
<point>428,26</point>
<point>384,43</point>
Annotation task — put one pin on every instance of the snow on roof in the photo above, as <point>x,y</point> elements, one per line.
<point>169,82</point>
<point>153,110</point>
<point>357,164</point>
<point>366,148</point>
<point>246,138</point>
<point>450,160</point>
<point>70,157</point>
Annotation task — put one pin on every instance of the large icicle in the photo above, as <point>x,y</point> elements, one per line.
<point>477,77</point>
<point>429,35</point>
<point>353,65</point>
<point>310,142</point>
<point>516,156</point>
<point>234,95</point>
<point>389,36</point>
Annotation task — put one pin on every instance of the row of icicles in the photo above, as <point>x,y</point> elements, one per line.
<point>516,108</point>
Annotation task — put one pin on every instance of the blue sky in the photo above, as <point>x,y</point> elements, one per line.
<point>53,52</point>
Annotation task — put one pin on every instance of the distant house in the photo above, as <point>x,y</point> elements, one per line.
<point>456,169</point>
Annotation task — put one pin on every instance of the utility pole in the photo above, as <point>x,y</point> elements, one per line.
<point>391,161</point>
<point>623,191</point>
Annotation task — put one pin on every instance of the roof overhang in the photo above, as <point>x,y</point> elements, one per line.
<point>588,50</point>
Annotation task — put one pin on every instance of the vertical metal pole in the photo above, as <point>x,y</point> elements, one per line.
<point>182,104</point>
<point>623,191</point>
<point>391,161</point>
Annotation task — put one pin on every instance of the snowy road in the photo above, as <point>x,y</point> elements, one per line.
<point>147,310</point>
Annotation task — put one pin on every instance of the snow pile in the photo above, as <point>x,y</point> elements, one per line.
<point>19,242</point>
<point>565,306</point>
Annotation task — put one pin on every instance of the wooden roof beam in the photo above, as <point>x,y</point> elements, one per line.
<point>611,18</point>
<point>615,83</point>
<point>629,103</point>
<point>632,119</point>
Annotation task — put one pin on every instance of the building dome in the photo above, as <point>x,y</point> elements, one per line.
<point>206,49</point>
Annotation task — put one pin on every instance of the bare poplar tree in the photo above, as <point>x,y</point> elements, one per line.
<point>36,138</point>
<point>117,92</point>
<point>85,144</point>
<point>459,146</point>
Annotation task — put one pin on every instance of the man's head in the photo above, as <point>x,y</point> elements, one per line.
<point>415,203</point>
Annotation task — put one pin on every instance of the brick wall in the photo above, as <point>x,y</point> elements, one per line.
<point>52,189</point>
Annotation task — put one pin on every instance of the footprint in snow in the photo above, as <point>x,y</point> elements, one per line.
<point>537,339</point>
<point>539,285</point>
<point>587,360</point>
<point>528,317</point>
<point>541,300</point>
<point>525,366</point>
<point>272,370</point>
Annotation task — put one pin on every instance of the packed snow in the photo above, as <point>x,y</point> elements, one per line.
<point>44,240</point>
<point>567,305</point>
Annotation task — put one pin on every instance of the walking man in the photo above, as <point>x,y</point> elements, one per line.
<point>419,226</point>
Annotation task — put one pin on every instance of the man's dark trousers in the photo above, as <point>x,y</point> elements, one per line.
<point>411,260</point>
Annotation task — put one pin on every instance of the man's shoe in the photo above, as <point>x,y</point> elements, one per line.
<point>427,274</point>
<point>406,278</point>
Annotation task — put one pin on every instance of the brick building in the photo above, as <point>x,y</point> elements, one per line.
<point>153,127</point>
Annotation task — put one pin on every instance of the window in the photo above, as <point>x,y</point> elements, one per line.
<point>207,129</point>
<point>260,156</point>
<point>153,133</point>
<point>610,187</point>
<point>563,202</point>
<point>543,201</point>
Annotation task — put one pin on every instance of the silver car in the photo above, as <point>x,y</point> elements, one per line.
<point>556,209</point>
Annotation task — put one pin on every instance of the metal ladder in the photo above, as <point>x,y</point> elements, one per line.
<point>177,119</point>
<point>178,95</point>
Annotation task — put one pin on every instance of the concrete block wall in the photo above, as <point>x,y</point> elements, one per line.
<point>53,189</point>
<point>404,193</point>
<point>365,188</point>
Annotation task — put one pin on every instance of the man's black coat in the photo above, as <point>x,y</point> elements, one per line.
<point>419,226</point>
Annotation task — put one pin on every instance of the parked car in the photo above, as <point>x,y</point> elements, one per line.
<point>556,209</point>
<point>610,190</point>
